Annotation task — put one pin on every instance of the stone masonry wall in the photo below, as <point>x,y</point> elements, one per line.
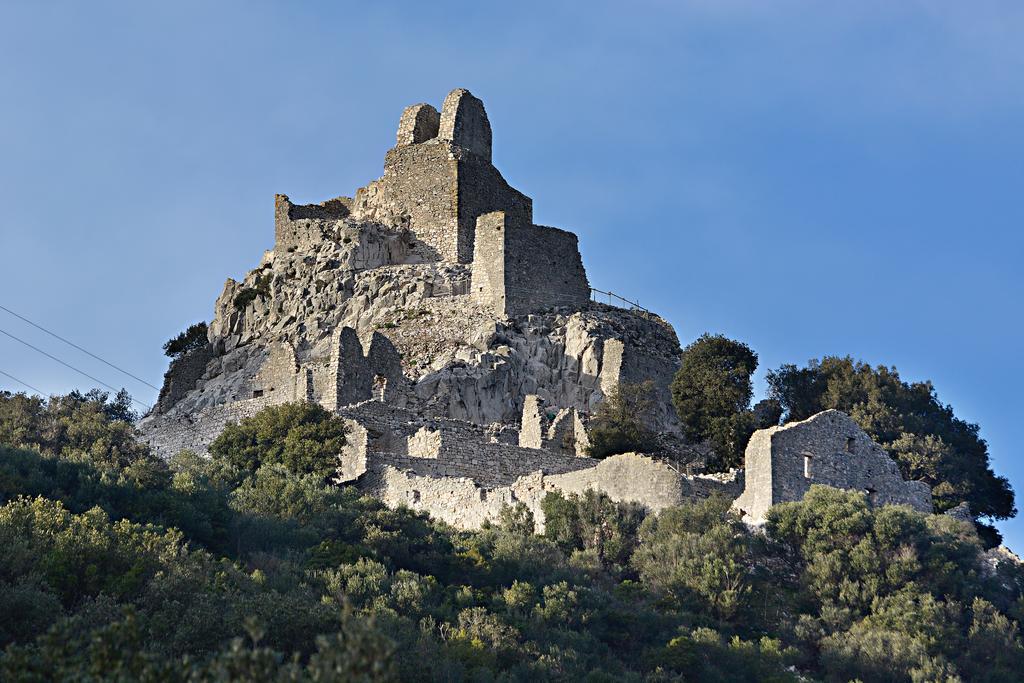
<point>488,279</point>
<point>561,431</point>
<point>419,123</point>
<point>439,179</point>
<point>482,190</point>
<point>419,186</point>
<point>490,465</point>
<point>463,121</point>
<point>279,374</point>
<point>543,269</point>
<point>301,228</point>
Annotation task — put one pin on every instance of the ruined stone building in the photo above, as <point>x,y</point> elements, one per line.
<point>456,336</point>
<point>782,463</point>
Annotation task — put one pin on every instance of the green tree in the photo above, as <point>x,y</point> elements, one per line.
<point>304,437</point>
<point>711,393</point>
<point>619,423</point>
<point>82,427</point>
<point>921,433</point>
<point>193,338</point>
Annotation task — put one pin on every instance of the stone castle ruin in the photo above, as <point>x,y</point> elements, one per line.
<point>459,341</point>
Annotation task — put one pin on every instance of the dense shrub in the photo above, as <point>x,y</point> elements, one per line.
<point>78,427</point>
<point>304,437</point>
<point>594,523</point>
<point>698,556</point>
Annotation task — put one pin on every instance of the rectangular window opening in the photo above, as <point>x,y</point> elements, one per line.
<point>807,466</point>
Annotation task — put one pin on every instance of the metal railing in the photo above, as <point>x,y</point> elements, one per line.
<point>599,294</point>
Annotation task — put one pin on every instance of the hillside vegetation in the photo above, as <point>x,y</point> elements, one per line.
<point>250,566</point>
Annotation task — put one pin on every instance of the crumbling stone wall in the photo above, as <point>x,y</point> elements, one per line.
<point>355,375</point>
<point>303,228</point>
<point>466,503</point>
<point>561,430</point>
<point>464,123</point>
<point>418,189</point>
<point>534,425</point>
<point>425,444</point>
<point>459,501</point>
<point>638,478</point>
<point>170,434</point>
<point>830,449</point>
<point>354,453</point>
<point>278,377</point>
<point>482,190</point>
<point>623,363</point>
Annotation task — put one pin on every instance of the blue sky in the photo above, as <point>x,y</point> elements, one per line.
<point>809,177</point>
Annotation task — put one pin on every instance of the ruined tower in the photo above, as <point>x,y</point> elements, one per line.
<point>439,178</point>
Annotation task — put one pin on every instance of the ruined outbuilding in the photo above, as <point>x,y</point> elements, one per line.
<point>782,463</point>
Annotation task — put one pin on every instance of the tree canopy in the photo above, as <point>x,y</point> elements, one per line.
<point>711,393</point>
<point>191,339</point>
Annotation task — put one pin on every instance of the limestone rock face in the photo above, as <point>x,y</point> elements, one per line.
<point>829,448</point>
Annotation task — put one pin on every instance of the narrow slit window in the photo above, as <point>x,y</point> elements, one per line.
<point>807,466</point>
<point>849,444</point>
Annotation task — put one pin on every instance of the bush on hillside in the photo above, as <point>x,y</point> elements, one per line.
<point>304,437</point>
<point>269,574</point>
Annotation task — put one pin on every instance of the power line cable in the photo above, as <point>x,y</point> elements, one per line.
<point>71,343</point>
<point>24,384</point>
<point>68,365</point>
